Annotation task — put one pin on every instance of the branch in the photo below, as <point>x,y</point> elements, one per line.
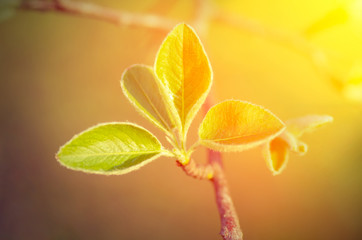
<point>205,11</point>
<point>294,42</point>
<point>230,227</point>
<point>94,11</point>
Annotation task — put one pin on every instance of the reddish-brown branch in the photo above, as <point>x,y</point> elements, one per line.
<point>230,228</point>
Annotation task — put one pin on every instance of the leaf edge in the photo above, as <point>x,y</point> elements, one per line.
<point>116,172</point>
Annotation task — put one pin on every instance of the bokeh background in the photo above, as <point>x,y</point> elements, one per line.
<point>60,75</point>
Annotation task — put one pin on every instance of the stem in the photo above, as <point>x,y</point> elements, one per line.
<point>230,227</point>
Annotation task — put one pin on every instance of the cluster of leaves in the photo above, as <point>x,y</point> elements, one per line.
<point>169,95</point>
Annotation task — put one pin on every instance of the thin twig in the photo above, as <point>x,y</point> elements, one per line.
<point>94,11</point>
<point>205,12</point>
<point>230,227</point>
<point>292,41</point>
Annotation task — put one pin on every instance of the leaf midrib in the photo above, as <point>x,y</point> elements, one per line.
<point>236,137</point>
<point>152,106</point>
<point>114,153</point>
<point>183,79</point>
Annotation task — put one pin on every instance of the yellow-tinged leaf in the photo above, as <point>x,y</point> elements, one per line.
<point>235,125</point>
<point>277,151</point>
<point>185,74</point>
<point>277,155</point>
<point>140,87</point>
<point>299,126</point>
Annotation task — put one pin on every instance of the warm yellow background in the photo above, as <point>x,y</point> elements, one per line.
<point>60,75</point>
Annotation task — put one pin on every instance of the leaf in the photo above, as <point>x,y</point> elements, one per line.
<point>140,87</point>
<point>235,125</point>
<point>185,74</point>
<point>299,126</point>
<point>112,148</point>
<point>277,151</point>
<point>277,155</point>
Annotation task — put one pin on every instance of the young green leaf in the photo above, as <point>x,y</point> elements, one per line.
<point>112,148</point>
<point>185,74</point>
<point>235,125</point>
<point>140,87</point>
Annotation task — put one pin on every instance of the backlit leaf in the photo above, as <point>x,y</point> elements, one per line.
<point>112,148</point>
<point>235,125</point>
<point>277,151</point>
<point>140,87</point>
<point>277,154</point>
<point>184,72</point>
<point>299,126</point>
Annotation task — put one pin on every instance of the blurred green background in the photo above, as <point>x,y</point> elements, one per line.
<point>60,75</point>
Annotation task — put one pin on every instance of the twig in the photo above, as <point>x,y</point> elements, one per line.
<point>94,11</point>
<point>230,227</point>
<point>205,11</point>
<point>294,42</point>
